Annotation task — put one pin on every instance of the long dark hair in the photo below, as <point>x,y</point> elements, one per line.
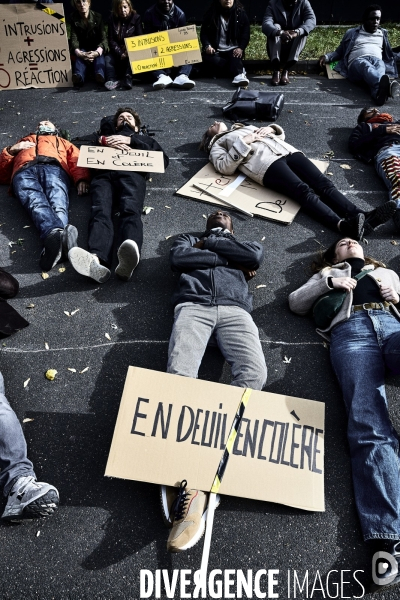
<point>326,258</point>
<point>216,10</point>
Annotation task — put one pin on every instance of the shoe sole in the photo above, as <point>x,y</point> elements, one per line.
<point>360,226</point>
<point>128,257</point>
<point>196,538</point>
<point>240,83</point>
<point>46,263</point>
<point>184,86</point>
<point>85,264</point>
<point>164,507</point>
<point>39,508</point>
<point>382,215</point>
<point>383,91</point>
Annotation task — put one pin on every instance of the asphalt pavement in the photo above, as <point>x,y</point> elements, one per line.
<point>107,530</point>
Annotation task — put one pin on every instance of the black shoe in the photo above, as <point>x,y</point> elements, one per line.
<point>77,80</point>
<point>128,82</point>
<point>52,250</point>
<point>385,565</point>
<point>379,215</point>
<point>353,227</point>
<point>383,91</point>
<point>69,239</point>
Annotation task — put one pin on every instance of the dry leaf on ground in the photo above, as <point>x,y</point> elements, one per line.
<point>30,306</point>
<point>84,370</point>
<point>107,335</point>
<point>262,285</point>
<point>45,275</point>
<point>50,374</point>
<point>346,167</point>
<point>75,311</point>
<point>61,269</point>
<point>26,382</point>
<point>67,313</point>
<point>46,346</point>
<point>72,370</point>
<point>27,420</point>
<point>287,360</point>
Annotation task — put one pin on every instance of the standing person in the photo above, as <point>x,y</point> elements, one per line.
<point>225,35</point>
<point>123,23</point>
<point>377,138</point>
<point>88,42</point>
<point>126,189</point>
<point>364,340</point>
<point>26,497</point>
<point>212,299</point>
<point>162,16</point>
<point>264,156</point>
<point>39,168</point>
<point>287,23</point>
<point>365,56</point>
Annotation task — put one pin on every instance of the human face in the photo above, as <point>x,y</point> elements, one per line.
<point>289,3</point>
<point>47,124</point>
<point>124,10</point>
<point>82,6</point>
<point>217,127</point>
<point>372,22</point>
<point>347,248</point>
<point>226,3</point>
<point>128,118</point>
<point>219,218</point>
<point>165,5</point>
<point>371,112</point>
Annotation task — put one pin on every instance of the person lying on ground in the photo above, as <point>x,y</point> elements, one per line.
<point>123,190</point>
<point>377,138</point>
<point>224,36</point>
<point>26,497</point>
<point>163,15</point>
<point>365,56</point>
<point>88,43</point>
<point>364,336</point>
<point>212,299</point>
<point>264,156</point>
<point>39,168</point>
<point>124,23</point>
<point>286,23</point>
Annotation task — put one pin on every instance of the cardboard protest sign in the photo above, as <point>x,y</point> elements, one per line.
<point>103,157</point>
<point>330,70</point>
<point>164,49</point>
<point>171,428</point>
<point>247,194</point>
<point>34,50</point>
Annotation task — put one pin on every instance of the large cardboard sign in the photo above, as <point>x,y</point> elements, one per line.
<point>34,47</point>
<point>330,70</point>
<point>171,428</point>
<point>103,157</point>
<point>249,195</point>
<point>164,49</point>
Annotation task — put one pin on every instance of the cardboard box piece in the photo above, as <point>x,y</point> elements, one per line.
<point>171,428</point>
<point>332,74</point>
<point>103,157</point>
<point>251,196</point>
<point>163,49</point>
<point>34,48</point>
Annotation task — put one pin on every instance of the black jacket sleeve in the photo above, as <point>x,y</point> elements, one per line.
<point>247,254</point>
<point>243,31</point>
<point>145,142</point>
<point>362,139</point>
<point>184,257</point>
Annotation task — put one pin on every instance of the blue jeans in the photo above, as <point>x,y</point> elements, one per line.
<point>13,460</point>
<point>362,348</point>
<point>369,69</point>
<point>43,191</point>
<point>235,333</point>
<point>390,175</point>
<point>173,72</point>
<point>98,65</point>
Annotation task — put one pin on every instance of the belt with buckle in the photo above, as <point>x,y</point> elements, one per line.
<point>372,306</point>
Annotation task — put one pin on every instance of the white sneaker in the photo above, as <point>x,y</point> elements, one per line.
<point>162,82</point>
<point>183,81</point>
<point>240,80</point>
<point>128,257</point>
<point>88,264</point>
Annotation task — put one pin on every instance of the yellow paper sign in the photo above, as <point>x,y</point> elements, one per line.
<point>159,62</point>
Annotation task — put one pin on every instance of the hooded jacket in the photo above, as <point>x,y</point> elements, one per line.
<point>208,275</point>
<point>51,146</point>
<point>367,139</point>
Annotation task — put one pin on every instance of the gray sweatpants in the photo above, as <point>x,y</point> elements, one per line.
<point>236,335</point>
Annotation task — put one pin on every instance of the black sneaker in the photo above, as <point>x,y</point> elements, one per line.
<point>52,250</point>
<point>128,82</point>
<point>379,215</point>
<point>69,239</point>
<point>353,227</point>
<point>383,91</point>
<point>77,80</point>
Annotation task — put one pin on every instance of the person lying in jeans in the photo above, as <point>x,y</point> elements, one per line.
<point>212,299</point>
<point>40,167</point>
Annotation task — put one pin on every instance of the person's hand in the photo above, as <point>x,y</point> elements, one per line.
<point>285,37</point>
<point>122,147</point>
<point>210,50</point>
<point>293,34</point>
<point>237,53</point>
<point>344,283</point>
<point>393,129</point>
<point>115,141</point>
<point>90,56</point>
<point>83,188</point>
<point>389,294</point>
<point>248,273</point>
<point>199,245</point>
<point>322,61</point>
<point>252,137</point>
<point>264,131</point>
<point>124,55</point>
<point>20,146</point>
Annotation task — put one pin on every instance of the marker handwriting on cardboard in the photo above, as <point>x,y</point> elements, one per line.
<point>275,207</point>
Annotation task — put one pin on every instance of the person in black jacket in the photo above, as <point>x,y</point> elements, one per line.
<point>124,22</point>
<point>128,189</point>
<point>225,35</point>
<point>162,16</point>
<point>377,138</point>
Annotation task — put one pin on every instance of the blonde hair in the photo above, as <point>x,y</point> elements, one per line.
<point>117,3</point>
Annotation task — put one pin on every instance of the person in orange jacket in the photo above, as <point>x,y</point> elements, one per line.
<point>39,168</point>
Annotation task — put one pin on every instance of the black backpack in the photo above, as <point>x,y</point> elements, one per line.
<point>254,104</point>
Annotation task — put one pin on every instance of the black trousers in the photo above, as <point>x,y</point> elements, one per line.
<point>223,63</point>
<point>125,192</point>
<point>297,177</point>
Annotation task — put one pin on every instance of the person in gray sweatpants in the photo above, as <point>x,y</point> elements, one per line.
<point>213,299</point>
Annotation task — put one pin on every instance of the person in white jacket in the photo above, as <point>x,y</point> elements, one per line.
<point>263,155</point>
<point>364,339</point>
